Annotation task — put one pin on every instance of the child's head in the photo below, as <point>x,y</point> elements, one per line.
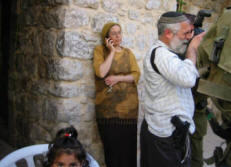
<point>66,151</point>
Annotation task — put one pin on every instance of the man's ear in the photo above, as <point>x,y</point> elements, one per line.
<point>168,33</point>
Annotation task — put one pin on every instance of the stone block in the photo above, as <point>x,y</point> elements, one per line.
<point>66,109</point>
<point>131,28</point>
<point>38,133</point>
<point>133,14</point>
<point>75,18</point>
<point>65,69</point>
<point>67,2</point>
<point>34,107</point>
<point>170,5</point>
<point>61,89</point>
<point>141,42</point>
<point>50,113</point>
<point>30,17</point>
<point>127,42</point>
<point>47,39</point>
<point>87,3</point>
<point>110,5</point>
<point>100,19</point>
<point>139,4</point>
<point>40,87</point>
<point>153,4</point>
<point>89,115</point>
<point>54,17</point>
<point>147,19</point>
<point>73,44</point>
<point>63,17</point>
<point>90,91</point>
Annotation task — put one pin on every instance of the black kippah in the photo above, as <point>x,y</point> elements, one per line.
<point>172,17</point>
<point>172,14</point>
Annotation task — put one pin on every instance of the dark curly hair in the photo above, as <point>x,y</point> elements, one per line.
<point>66,142</point>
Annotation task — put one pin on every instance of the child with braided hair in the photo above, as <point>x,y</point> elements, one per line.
<point>66,151</point>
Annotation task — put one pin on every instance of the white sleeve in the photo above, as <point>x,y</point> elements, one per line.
<point>178,72</point>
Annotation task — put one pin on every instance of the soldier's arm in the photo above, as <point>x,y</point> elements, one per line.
<point>218,129</point>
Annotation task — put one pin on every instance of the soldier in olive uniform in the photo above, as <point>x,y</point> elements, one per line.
<point>215,59</point>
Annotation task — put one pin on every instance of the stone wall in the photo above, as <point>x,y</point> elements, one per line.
<point>51,79</point>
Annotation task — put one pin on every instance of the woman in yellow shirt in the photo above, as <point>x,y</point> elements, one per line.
<point>116,103</point>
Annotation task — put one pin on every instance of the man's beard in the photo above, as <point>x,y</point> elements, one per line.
<point>178,46</point>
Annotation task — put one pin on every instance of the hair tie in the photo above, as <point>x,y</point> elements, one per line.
<point>67,135</point>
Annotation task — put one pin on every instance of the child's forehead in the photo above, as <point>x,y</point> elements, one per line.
<point>66,156</point>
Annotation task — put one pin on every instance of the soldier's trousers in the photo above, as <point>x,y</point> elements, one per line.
<point>197,139</point>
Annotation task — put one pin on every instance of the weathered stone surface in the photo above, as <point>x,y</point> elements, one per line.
<point>61,89</point>
<point>170,5</point>
<point>34,106</point>
<point>30,17</point>
<point>139,4</point>
<point>40,87</point>
<point>48,39</point>
<point>147,19</point>
<point>153,4</point>
<point>38,133</point>
<point>90,91</point>
<point>54,2</point>
<point>62,17</point>
<point>87,3</point>
<point>54,17</point>
<point>66,109</point>
<point>110,5</point>
<point>138,56</point>
<point>131,28</point>
<point>50,113</point>
<point>29,42</point>
<point>133,14</point>
<point>127,42</point>
<point>65,69</point>
<point>30,66</point>
<point>141,42</point>
<point>75,18</point>
<point>100,19</point>
<point>92,40</point>
<point>28,3</point>
<point>89,115</point>
<point>72,44</point>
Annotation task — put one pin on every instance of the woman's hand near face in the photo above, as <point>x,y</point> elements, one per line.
<point>109,44</point>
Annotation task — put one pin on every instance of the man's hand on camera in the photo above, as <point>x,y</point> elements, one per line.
<point>192,48</point>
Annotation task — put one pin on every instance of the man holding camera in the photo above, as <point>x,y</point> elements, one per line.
<point>168,101</point>
<point>200,100</point>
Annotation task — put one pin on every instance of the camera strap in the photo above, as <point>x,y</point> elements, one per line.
<point>153,59</point>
